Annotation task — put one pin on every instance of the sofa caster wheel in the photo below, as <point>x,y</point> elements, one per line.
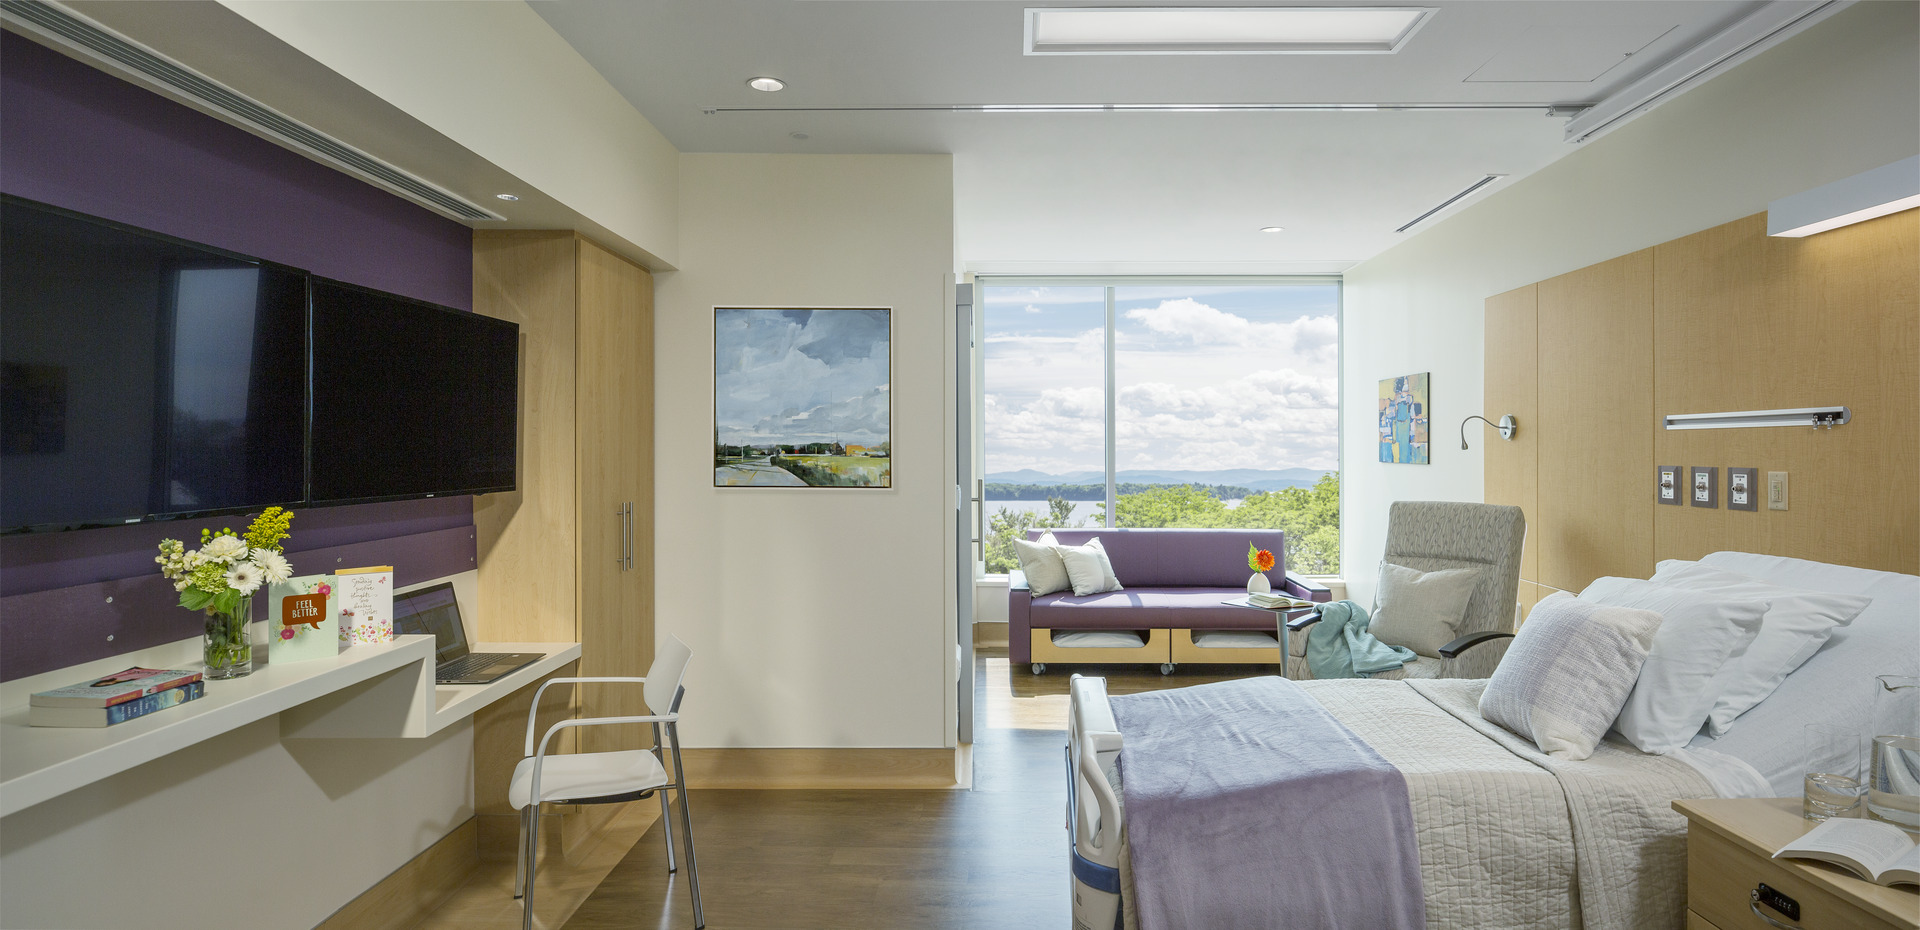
<point>1039,668</point>
<point>1166,668</point>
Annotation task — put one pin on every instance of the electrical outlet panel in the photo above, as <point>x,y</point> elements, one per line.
<point>1743,489</point>
<point>1668,488</point>
<point>1704,485</point>
<point>1776,490</point>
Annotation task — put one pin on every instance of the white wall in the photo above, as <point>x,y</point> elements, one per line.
<point>495,78</point>
<point>1830,103</point>
<point>242,831</point>
<point>817,617</point>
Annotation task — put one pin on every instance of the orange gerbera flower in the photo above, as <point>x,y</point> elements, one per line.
<point>1259,560</point>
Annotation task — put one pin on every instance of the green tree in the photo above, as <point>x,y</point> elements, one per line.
<point>1183,505</point>
<point>1005,526</point>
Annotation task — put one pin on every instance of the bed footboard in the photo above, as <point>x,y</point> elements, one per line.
<point>1094,814</point>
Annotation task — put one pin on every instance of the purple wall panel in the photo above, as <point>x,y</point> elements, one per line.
<point>55,628</point>
<point>79,138</point>
<point>83,139</point>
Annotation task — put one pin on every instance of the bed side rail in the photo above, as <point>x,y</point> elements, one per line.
<point>1094,814</point>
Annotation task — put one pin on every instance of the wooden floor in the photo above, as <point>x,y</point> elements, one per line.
<point>990,857</point>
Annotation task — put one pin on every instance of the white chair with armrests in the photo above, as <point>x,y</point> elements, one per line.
<point>607,777</point>
<point>1431,536</point>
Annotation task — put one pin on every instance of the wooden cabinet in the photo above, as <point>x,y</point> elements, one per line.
<point>1730,843</point>
<point>567,557</point>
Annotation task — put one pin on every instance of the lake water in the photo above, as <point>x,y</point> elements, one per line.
<point>1082,510</point>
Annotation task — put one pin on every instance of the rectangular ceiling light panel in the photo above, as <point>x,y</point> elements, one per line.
<point>1221,30</point>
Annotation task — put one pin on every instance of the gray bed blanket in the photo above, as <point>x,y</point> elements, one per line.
<point>1249,805</point>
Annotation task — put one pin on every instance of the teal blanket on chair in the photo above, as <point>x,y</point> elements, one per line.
<point>1339,646</point>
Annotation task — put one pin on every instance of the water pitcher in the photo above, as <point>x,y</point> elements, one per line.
<point>1893,787</point>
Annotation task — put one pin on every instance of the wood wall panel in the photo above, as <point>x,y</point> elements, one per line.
<point>527,536</point>
<point>1595,409</point>
<point>615,389</point>
<point>1746,321</point>
<point>1512,386</point>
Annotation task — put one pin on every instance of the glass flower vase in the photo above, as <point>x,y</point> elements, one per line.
<point>228,644</point>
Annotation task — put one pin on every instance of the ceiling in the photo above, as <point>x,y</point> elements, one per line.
<point>1139,192</point>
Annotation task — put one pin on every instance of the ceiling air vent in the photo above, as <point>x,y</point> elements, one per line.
<point>82,35</point>
<point>1450,201</point>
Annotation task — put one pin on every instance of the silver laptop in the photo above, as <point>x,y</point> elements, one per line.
<point>432,610</point>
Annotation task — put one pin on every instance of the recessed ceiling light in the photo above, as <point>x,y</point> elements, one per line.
<point>768,84</point>
<point>508,196</point>
<point>1273,229</point>
<point>1221,30</point>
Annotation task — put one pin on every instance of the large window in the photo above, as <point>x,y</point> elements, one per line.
<point>1181,403</point>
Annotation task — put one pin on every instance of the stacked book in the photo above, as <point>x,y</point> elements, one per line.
<point>1271,600</point>
<point>117,698</point>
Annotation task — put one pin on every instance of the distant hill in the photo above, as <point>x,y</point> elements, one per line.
<point>1257,479</point>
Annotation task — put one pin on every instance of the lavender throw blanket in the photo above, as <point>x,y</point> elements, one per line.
<point>1248,805</point>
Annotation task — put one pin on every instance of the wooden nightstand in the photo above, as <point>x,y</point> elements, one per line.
<point>1730,845</point>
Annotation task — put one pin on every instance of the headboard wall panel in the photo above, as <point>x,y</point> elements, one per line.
<point>1596,395</point>
<point>1748,321</point>
<point>1724,319</point>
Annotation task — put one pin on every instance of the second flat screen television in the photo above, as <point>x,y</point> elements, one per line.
<point>409,398</point>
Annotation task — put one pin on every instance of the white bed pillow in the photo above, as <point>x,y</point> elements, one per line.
<point>1698,631</point>
<point>1567,672</point>
<point>1041,563</point>
<point>1796,625</point>
<point>1421,610</point>
<point>1088,567</point>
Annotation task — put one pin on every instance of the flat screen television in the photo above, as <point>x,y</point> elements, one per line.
<point>410,399</point>
<point>142,377</point>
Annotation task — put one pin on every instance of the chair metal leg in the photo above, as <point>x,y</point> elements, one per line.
<point>666,824</point>
<point>686,828</point>
<point>520,857</point>
<point>532,852</point>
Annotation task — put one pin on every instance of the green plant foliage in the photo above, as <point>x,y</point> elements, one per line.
<point>1310,517</point>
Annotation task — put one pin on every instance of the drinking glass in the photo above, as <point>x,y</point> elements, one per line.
<point>1833,772</point>
<point>1893,791</point>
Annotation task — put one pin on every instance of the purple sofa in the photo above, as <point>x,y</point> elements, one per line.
<point>1175,579</point>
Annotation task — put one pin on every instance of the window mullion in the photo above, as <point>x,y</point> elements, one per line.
<point>1112,482</point>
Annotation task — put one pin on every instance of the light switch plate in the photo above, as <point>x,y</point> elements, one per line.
<point>1743,489</point>
<point>1667,485</point>
<point>1703,485</point>
<point>1776,490</point>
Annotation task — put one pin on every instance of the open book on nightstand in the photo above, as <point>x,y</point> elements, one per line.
<point>1880,853</point>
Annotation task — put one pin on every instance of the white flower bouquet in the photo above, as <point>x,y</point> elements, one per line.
<point>220,577</point>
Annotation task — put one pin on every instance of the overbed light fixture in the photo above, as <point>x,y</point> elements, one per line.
<point>1507,427</point>
<point>1253,30</point>
<point>1886,189</point>
<point>1816,417</point>
<point>767,84</point>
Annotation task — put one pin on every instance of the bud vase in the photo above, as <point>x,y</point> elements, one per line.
<point>228,644</point>
<point>1259,584</point>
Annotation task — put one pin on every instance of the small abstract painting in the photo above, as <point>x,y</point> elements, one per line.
<point>802,397</point>
<point>1404,420</point>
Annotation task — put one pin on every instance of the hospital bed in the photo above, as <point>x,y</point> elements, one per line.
<point>1509,837</point>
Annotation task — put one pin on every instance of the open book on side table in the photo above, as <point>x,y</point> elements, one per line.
<point>1880,853</point>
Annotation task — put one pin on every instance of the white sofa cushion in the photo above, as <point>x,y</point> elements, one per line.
<point>1089,568</point>
<point>1040,562</point>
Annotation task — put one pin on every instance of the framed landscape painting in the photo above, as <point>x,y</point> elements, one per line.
<point>802,397</point>
<point>1404,420</point>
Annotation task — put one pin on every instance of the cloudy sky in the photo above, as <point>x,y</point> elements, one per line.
<point>799,376</point>
<point>1208,377</point>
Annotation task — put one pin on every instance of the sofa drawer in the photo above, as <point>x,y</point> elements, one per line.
<point>1721,877</point>
<point>1156,650</point>
<point>1186,650</point>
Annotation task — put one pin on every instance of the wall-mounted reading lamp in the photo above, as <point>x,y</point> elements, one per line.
<point>1816,417</point>
<point>1886,189</point>
<point>1506,426</point>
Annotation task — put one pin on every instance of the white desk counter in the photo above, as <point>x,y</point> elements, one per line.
<point>366,691</point>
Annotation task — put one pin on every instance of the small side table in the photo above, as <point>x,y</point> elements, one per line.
<point>1730,844</point>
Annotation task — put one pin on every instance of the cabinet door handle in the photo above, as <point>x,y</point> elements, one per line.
<point>625,558</point>
<point>629,536</point>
